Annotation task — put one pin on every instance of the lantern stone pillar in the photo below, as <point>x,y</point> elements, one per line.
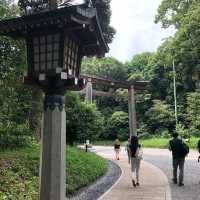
<point>132,111</point>
<point>88,96</point>
<point>53,179</point>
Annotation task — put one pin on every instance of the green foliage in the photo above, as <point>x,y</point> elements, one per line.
<point>14,135</point>
<point>104,67</point>
<point>104,142</point>
<point>16,101</point>
<point>193,109</point>
<point>83,168</point>
<point>171,12</point>
<point>160,115</point>
<point>19,172</point>
<point>139,68</point>
<point>155,142</point>
<point>182,131</point>
<point>84,121</point>
<point>117,126</point>
<point>159,142</point>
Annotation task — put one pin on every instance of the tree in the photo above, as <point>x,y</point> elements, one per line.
<point>108,68</point>
<point>172,12</point>
<point>117,126</point>
<point>15,98</point>
<point>193,109</point>
<point>105,67</point>
<point>160,116</point>
<point>139,68</point>
<point>83,121</point>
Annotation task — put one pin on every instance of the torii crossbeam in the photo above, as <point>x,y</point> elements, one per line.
<point>131,86</point>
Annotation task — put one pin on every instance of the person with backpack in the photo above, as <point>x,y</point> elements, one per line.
<point>135,158</point>
<point>179,151</point>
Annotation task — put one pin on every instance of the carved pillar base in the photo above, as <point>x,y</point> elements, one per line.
<point>52,186</point>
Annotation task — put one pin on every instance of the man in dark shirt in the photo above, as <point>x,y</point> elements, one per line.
<point>178,160</point>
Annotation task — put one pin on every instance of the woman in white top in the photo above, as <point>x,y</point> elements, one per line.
<point>135,156</point>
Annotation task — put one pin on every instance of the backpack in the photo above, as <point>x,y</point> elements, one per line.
<point>184,149</point>
<point>139,153</point>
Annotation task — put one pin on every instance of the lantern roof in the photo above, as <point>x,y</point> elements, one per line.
<point>80,21</point>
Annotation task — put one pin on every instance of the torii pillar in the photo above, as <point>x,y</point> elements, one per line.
<point>132,111</point>
<point>88,96</point>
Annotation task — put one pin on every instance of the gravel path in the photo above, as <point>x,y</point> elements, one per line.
<point>95,190</point>
<point>162,159</point>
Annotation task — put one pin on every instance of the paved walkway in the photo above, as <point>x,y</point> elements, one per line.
<point>154,184</point>
<point>162,158</point>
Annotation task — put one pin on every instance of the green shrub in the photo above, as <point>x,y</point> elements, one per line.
<point>83,121</point>
<point>160,115</point>
<point>14,135</point>
<point>19,172</point>
<point>118,126</point>
<point>194,132</point>
<point>182,131</point>
<point>83,168</point>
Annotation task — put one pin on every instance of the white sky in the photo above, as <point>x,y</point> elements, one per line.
<point>136,30</point>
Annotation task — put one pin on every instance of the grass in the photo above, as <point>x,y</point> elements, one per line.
<point>104,143</point>
<point>83,168</point>
<point>158,142</point>
<point>152,142</point>
<point>19,172</point>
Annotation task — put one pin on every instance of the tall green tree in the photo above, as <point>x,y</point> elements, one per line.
<point>118,126</point>
<point>83,121</point>
<point>160,116</point>
<point>105,67</point>
<point>193,109</point>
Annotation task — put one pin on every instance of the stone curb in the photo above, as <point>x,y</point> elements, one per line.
<point>100,186</point>
<point>117,181</point>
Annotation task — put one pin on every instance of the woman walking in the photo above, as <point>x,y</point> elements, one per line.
<point>117,148</point>
<point>136,156</point>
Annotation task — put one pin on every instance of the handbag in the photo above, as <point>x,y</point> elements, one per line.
<point>139,153</point>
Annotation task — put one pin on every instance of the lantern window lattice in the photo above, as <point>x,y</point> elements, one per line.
<point>46,52</point>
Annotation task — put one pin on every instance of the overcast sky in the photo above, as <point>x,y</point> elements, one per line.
<point>136,30</point>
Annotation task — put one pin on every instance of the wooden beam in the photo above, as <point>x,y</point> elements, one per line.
<point>138,85</point>
<point>98,93</point>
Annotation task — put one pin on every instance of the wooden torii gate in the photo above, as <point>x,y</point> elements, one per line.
<point>131,87</point>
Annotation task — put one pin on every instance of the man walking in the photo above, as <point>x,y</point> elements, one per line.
<point>179,151</point>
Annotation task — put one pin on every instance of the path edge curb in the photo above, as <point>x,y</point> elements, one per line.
<point>117,181</point>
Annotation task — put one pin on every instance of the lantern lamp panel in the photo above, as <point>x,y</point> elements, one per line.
<point>37,67</point>
<point>49,65</point>
<point>70,56</point>
<point>46,52</point>
<point>42,66</point>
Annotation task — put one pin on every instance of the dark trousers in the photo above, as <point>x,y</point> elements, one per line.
<point>178,163</point>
